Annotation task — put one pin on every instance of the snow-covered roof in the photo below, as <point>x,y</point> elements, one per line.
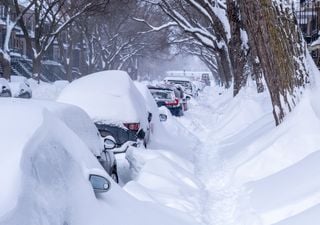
<point>78,121</point>
<point>180,78</point>
<point>107,96</point>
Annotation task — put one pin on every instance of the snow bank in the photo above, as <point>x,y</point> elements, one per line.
<point>166,179</point>
<point>171,134</point>
<point>278,167</point>
<point>47,91</point>
<point>44,169</point>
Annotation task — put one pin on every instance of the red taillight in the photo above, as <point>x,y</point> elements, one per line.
<point>132,126</point>
<point>173,103</point>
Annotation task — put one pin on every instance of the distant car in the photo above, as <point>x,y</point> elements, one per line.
<point>182,96</point>
<point>206,79</point>
<point>20,87</point>
<point>185,82</point>
<point>5,90</point>
<point>81,124</point>
<point>110,98</point>
<point>200,85</point>
<point>168,97</point>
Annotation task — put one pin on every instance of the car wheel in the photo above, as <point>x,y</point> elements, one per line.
<point>114,175</point>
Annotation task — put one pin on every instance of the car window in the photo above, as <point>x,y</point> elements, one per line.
<point>161,95</point>
<point>185,84</point>
<point>120,135</point>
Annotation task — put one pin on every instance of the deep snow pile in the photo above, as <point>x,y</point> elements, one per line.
<point>170,135</point>
<point>246,170</point>
<point>47,91</point>
<point>44,169</point>
<point>109,96</point>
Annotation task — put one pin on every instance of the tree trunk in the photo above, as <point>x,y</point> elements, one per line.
<point>6,66</point>
<point>36,68</point>
<point>279,45</point>
<point>224,65</point>
<point>237,49</point>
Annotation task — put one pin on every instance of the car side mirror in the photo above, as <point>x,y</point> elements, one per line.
<point>109,144</point>
<point>163,117</point>
<point>99,184</point>
<point>149,117</point>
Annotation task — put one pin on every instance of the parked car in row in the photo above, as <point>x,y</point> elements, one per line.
<point>44,167</point>
<point>18,87</point>
<point>113,103</point>
<point>168,97</point>
<point>4,88</point>
<point>206,79</point>
<point>186,82</point>
<point>81,124</point>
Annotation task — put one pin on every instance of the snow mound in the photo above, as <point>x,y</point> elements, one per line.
<point>107,96</point>
<point>166,179</point>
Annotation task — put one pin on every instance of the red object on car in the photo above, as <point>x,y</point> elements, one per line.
<point>132,126</point>
<point>172,103</point>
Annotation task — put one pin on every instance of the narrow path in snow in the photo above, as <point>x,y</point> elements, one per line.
<point>219,200</point>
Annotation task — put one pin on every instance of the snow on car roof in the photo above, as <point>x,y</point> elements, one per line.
<point>107,96</point>
<point>178,78</point>
<point>78,121</point>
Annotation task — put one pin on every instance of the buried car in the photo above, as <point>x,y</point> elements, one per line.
<point>110,98</point>
<point>188,87</point>
<point>45,168</point>
<point>4,88</point>
<point>168,97</point>
<point>20,87</point>
<point>81,124</point>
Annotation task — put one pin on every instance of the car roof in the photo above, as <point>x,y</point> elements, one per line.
<point>178,78</point>
<point>107,96</point>
<point>160,88</point>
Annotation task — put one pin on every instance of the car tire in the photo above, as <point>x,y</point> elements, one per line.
<point>114,175</point>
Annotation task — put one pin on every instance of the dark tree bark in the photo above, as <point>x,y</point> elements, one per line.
<point>6,66</point>
<point>237,52</point>
<point>279,45</point>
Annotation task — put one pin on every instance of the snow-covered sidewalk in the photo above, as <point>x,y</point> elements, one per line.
<point>245,170</point>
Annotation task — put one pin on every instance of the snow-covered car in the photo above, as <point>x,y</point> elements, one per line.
<point>120,135</point>
<point>81,124</point>
<point>47,173</point>
<point>20,87</point>
<point>4,88</point>
<point>111,98</point>
<point>205,78</point>
<point>168,97</point>
<point>199,85</point>
<point>185,82</point>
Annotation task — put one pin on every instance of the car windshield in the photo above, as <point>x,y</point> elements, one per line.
<point>120,135</point>
<point>161,94</point>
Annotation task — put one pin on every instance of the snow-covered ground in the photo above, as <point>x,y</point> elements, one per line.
<point>244,170</point>
<point>223,163</point>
